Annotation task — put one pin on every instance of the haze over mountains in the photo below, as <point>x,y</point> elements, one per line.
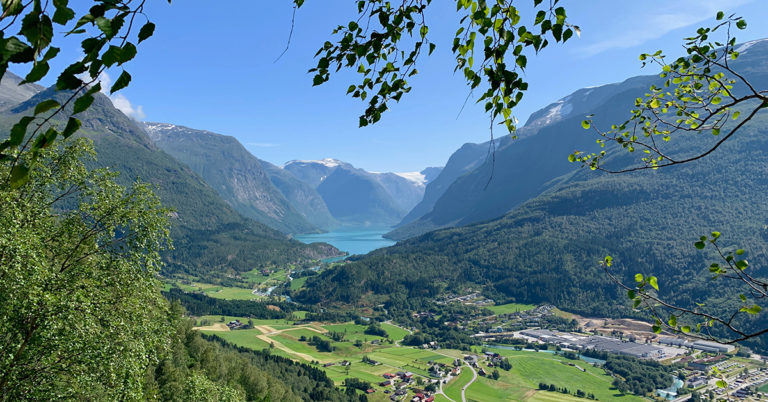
<point>357,197</point>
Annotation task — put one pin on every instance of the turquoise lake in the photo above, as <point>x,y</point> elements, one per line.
<point>351,240</point>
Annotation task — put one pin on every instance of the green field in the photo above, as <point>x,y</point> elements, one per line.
<point>395,333</point>
<point>764,388</point>
<point>219,292</point>
<point>453,389</point>
<point>519,384</point>
<point>531,368</point>
<point>510,308</point>
<point>297,283</point>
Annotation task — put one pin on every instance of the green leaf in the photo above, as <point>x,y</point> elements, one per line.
<point>45,106</point>
<point>571,158</point>
<point>37,72</point>
<point>19,176</point>
<point>105,25</point>
<point>721,384</point>
<point>699,245</point>
<point>656,329</point>
<point>127,53</point>
<point>686,329</point>
<point>82,103</point>
<point>122,81</point>
<point>146,31</point>
<point>755,309</point>
<point>19,130</point>
<point>639,278</point>
<point>720,15</point>
<point>585,124</point>
<point>654,282</point>
<point>741,24</point>
<point>63,15</point>
<point>111,56</point>
<point>72,126</point>
<point>631,294</point>
<point>672,321</point>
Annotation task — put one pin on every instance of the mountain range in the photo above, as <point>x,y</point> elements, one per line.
<point>475,187</point>
<point>211,239</point>
<point>357,197</point>
<point>243,180</point>
<point>558,221</point>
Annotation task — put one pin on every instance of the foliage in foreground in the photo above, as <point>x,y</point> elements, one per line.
<point>81,315</point>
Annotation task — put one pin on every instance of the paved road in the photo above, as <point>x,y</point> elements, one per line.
<point>440,391</point>
<point>474,377</point>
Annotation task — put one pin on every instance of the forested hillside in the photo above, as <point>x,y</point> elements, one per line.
<point>215,370</point>
<point>210,238</point>
<point>547,250</point>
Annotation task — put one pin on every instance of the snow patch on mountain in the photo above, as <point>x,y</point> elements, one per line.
<point>746,45</point>
<point>328,162</point>
<point>159,126</point>
<point>416,177</point>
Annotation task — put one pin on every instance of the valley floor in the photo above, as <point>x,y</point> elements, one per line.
<point>520,383</point>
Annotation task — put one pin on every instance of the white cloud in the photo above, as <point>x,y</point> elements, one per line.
<point>119,101</point>
<point>654,22</point>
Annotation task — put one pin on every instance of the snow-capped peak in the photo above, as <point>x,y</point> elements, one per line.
<point>746,45</point>
<point>159,126</point>
<point>327,162</point>
<point>416,177</point>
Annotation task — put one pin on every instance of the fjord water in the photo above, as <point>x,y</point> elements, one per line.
<point>352,240</point>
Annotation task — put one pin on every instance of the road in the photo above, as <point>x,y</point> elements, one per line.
<point>463,389</point>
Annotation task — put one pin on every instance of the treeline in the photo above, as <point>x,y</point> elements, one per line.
<point>640,377</point>
<point>199,304</point>
<point>322,345</point>
<point>563,390</point>
<point>207,368</point>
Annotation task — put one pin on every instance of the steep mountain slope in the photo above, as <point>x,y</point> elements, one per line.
<point>13,93</point>
<point>376,198</point>
<point>210,238</point>
<point>431,173</point>
<point>302,197</point>
<point>314,172</point>
<point>405,191</point>
<point>352,197</point>
<point>233,172</point>
<point>547,248</point>
<point>524,168</point>
<point>465,159</point>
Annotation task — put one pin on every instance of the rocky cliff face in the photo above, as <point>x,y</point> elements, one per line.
<point>233,172</point>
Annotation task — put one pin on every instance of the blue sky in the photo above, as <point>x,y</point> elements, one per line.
<point>211,65</point>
